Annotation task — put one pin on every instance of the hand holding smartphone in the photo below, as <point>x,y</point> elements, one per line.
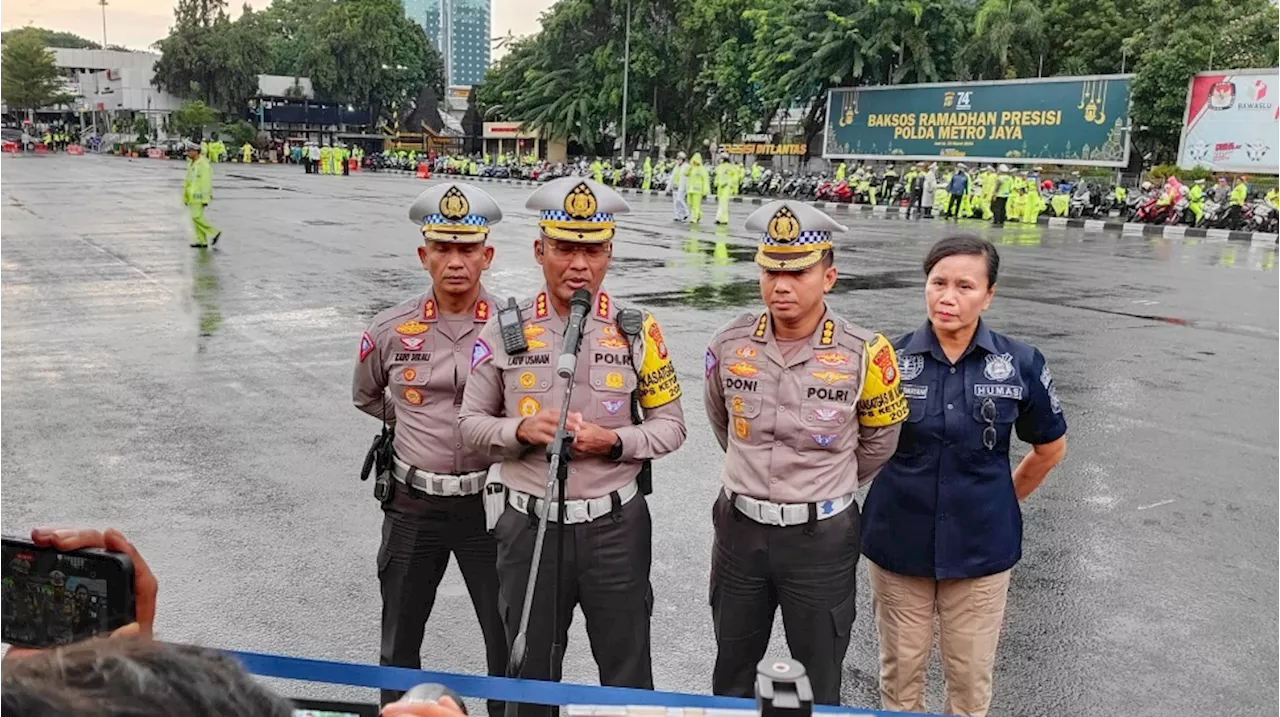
<point>67,585</point>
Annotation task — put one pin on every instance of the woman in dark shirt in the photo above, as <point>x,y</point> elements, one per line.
<point>941,526</point>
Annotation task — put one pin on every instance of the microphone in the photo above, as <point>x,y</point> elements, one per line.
<point>579,305</point>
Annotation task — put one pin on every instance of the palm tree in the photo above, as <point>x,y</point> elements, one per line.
<point>1007,38</point>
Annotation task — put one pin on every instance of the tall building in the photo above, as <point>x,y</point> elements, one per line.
<point>459,30</point>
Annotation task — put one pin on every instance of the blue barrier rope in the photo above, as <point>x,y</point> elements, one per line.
<point>494,688</point>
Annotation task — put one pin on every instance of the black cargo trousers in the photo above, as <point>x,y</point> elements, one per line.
<point>606,572</point>
<point>418,535</point>
<point>809,570</point>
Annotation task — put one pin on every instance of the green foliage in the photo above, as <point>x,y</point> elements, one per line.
<point>366,52</point>
<point>28,77</point>
<point>191,119</point>
<point>210,58</point>
<point>1160,172</point>
<point>1180,43</point>
<point>51,38</point>
<point>235,134</point>
<point>363,52</point>
<point>142,128</point>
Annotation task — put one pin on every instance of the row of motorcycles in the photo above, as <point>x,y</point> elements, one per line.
<point>1257,215</point>
<point>1081,199</point>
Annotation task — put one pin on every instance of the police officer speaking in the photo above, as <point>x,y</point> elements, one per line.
<point>411,372</point>
<point>624,411</point>
<point>807,408</point>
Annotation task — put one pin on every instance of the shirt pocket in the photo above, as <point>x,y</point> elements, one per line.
<point>611,389</point>
<point>408,382</point>
<point>825,425</point>
<point>744,410</point>
<point>1006,412</point>
<point>526,389</point>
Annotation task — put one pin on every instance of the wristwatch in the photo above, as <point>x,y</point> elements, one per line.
<point>615,453</point>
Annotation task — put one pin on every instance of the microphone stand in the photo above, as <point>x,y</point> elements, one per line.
<point>558,457</point>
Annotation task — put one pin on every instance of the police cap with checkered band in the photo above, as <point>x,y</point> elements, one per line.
<point>577,209</point>
<point>455,212</point>
<point>793,236</point>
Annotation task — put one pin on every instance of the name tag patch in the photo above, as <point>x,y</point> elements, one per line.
<point>997,390</point>
<point>530,359</point>
<point>913,391</point>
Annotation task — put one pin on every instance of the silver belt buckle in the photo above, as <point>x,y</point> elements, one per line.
<point>452,485</point>
<point>771,513</point>
<point>578,512</point>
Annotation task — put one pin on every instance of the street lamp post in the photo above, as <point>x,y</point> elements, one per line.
<point>103,3</point>
<point>626,70</point>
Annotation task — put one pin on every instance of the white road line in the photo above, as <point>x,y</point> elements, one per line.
<point>1156,505</point>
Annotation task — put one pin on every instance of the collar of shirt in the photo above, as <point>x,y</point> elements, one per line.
<point>925,341</point>
<point>429,311</point>
<point>602,309</point>
<point>823,336</point>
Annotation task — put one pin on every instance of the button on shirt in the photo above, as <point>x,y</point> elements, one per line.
<point>944,506</point>
<point>504,389</point>
<point>412,364</point>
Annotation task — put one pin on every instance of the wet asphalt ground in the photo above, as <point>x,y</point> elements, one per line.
<point>200,401</point>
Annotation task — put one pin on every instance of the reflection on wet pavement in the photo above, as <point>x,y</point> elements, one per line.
<point>217,429</point>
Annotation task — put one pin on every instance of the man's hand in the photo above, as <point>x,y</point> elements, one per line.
<point>445,707</point>
<point>145,585</point>
<point>540,428</point>
<point>593,439</point>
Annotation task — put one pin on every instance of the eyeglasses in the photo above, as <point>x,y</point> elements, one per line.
<point>568,249</point>
<point>989,415</point>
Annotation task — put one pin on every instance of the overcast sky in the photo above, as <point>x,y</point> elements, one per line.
<point>138,23</point>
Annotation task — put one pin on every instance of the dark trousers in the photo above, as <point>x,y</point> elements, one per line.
<point>606,572</point>
<point>307,164</point>
<point>1232,220</point>
<point>810,571</point>
<point>418,535</point>
<point>915,203</point>
<point>998,205</point>
<point>953,206</point>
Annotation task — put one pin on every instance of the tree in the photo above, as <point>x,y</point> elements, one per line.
<point>191,119</point>
<point>51,38</point>
<point>366,52</point>
<point>1008,40</point>
<point>1209,34</point>
<point>29,79</point>
<point>208,57</point>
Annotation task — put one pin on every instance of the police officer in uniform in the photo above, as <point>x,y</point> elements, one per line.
<point>411,371</point>
<point>806,406</point>
<point>511,407</point>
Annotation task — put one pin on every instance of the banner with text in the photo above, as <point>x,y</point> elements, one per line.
<point>1060,120</point>
<point>1231,122</point>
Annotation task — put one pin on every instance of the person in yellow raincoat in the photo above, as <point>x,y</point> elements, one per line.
<point>326,157</point>
<point>246,153</point>
<point>648,173</point>
<point>1033,204</point>
<point>597,170</point>
<point>197,192</point>
<point>699,185</point>
<point>724,188</point>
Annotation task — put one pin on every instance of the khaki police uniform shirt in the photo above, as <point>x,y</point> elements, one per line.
<point>806,428</point>
<point>413,360</point>
<point>503,389</point>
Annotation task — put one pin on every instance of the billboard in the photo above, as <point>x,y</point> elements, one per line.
<point>1231,122</point>
<point>1062,120</point>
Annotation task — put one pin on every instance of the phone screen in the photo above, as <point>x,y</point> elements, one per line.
<point>54,598</point>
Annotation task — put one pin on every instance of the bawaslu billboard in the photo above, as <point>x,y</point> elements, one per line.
<point>1059,120</point>
<point>1231,122</point>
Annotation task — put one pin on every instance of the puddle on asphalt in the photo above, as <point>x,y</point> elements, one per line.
<point>1228,255</point>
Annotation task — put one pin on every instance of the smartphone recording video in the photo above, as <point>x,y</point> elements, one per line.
<point>55,598</point>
